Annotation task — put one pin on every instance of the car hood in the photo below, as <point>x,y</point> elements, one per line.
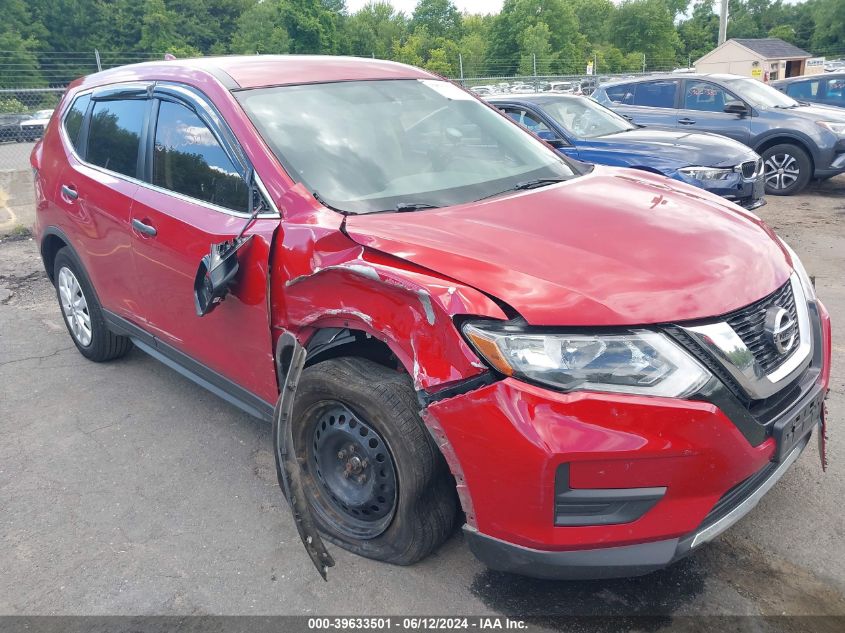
<point>673,147</point>
<point>814,112</point>
<point>614,247</point>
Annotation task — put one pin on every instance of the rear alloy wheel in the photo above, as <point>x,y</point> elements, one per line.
<point>786,169</point>
<point>374,479</point>
<point>81,311</point>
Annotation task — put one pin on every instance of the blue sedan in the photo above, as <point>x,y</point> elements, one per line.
<point>583,129</point>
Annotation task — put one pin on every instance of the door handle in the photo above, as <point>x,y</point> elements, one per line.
<point>69,192</point>
<point>686,121</point>
<point>146,229</point>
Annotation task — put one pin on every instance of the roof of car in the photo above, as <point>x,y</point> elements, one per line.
<point>675,77</point>
<point>771,47</point>
<point>255,71</point>
<point>789,80</point>
<point>533,97</point>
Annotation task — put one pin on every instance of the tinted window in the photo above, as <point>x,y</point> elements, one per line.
<point>623,93</point>
<point>189,160</point>
<point>701,95</point>
<point>115,132</point>
<point>803,89</point>
<point>836,90</point>
<point>74,117</point>
<point>656,94</point>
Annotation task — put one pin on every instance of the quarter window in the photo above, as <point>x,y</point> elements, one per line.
<point>74,118</point>
<point>656,94</point>
<point>701,95</point>
<point>115,133</point>
<point>189,160</point>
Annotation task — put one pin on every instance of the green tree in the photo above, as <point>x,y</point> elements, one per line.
<point>535,47</point>
<point>439,17</point>
<point>647,27</point>
<point>829,35</point>
<point>784,32</point>
<point>565,38</point>
<point>594,19</point>
<point>373,29</point>
<point>259,30</point>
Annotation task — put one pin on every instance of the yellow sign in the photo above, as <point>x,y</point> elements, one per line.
<point>757,73</point>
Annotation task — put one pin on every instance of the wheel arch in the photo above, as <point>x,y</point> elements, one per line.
<point>52,241</point>
<point>786,139</point>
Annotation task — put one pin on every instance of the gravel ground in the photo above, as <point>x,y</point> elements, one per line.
<point>126,489</point>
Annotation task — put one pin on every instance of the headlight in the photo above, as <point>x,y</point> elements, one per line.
<point>833,126</point>
<point>635,362</point>
<point>707,173</point>
<point>806,283</point>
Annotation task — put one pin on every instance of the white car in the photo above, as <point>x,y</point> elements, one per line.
<point>32,128</point>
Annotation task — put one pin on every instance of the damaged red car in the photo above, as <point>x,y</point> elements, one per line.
<point>593,370</point>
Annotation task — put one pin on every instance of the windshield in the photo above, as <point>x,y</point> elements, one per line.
<point>759,94</point>
<point>368,146</point>
<point>585,118</point>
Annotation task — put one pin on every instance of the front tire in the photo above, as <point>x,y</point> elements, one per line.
<point>787,169</point>
<point>82,313</point>
<point>375,481</point>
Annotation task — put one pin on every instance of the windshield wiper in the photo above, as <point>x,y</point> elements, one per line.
<point>414,206</point>
<point>526,184</point>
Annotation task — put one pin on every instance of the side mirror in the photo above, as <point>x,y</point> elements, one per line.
<point>215,274</point>
<point>217,270</point>
<point>736,107</point>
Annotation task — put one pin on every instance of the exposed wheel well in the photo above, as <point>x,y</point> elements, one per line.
<point>50,245</point>
<point>333,342</point>
<point>780,140</point>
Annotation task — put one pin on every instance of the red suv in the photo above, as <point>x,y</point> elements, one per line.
<point>595,369</point>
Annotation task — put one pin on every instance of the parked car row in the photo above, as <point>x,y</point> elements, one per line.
<point>586,130</point>
<point>24,127</point>
<point>797,141</point>
<point>597,370</point>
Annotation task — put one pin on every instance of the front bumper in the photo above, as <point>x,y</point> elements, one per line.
<point>507,443</point>
<point>623,561</point>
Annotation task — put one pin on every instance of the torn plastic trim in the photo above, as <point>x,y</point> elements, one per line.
<point>472,383</point>
<point>292,354</point>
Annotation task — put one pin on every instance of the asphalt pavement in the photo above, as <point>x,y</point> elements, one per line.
<point>126,489</point>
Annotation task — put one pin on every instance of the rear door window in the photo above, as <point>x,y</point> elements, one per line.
<point>188,159</point>
<point>836,91</point>
<point>656,94</point>
<point>704,96</point>
<point>74,118</point>
<point>804,89</point>
<point>623,93</point>
<point>115,135</point>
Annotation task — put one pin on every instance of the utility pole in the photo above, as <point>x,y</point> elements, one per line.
<point>595,64</point>
<point>723,23</point>
<point>644,63</point>
<point>535,70</point>
<point>97,58</point>
<point>461,65</point>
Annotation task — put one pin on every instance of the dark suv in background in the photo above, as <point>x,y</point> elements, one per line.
<point>826,89</point>
<point>797,141</point>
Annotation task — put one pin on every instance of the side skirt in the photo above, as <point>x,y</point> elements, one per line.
<point>204,376</point>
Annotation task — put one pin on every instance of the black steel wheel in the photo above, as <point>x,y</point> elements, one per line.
<point>371,473</point>
<point>354,468</point>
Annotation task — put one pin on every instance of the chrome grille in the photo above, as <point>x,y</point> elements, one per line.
<point>751,168</point>
<point>749,323</point>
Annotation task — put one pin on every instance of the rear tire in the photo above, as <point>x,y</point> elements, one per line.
<point>787,169</point>
<point>82,313</point>
<point>397,503</point>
